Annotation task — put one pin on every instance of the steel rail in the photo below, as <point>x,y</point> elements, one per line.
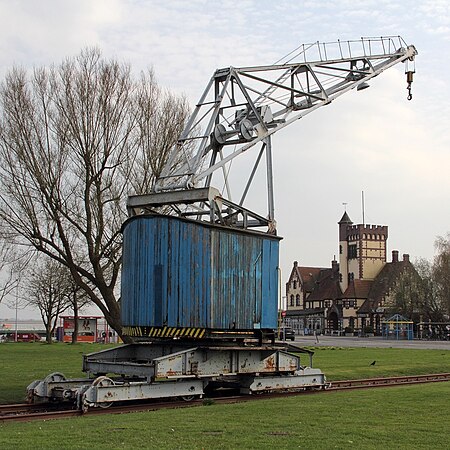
<point>28,412</point>
<point>389,381</point>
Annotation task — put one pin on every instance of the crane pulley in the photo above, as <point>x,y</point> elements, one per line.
<point>243,107</point>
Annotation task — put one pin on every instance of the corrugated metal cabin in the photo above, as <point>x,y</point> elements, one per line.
<point>184,275</point>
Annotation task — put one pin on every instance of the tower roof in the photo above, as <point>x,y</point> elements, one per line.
<point>345,219</point>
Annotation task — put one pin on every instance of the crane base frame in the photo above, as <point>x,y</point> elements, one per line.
<point>154,371</point>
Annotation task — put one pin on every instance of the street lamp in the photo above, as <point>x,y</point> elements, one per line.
<point>17,307</point>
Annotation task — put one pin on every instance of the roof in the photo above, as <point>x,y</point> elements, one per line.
<point>305,312</point>
<point>326,287</point>
<point>387,278</point>
<point>321,283</point>
<point>358,289</point>
<point>383,283</point>
<point>307,276</point>
<point>367,307</point>
<point>345,219</point>
<point>397,318</point>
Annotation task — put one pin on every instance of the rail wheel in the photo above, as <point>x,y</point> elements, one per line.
<point>54,377</point>
<point>103,382</point>
<point>189,397</point>
<point>30,397</point>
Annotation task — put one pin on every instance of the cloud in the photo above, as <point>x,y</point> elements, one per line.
<point>40,33</point>
<point>374,140</point>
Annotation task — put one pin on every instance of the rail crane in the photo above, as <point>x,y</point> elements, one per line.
<point>199,292</point>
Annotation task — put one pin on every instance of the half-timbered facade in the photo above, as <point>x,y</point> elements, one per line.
<point>353,295</point>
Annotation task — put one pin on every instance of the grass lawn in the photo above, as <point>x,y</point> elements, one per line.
<point>24,362</point>
<point>407,417</point>
<point>351,363</point>
<point>21,363</point>
<point>402,417</point>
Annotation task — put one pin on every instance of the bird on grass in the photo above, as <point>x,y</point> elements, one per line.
<point>373,363</point>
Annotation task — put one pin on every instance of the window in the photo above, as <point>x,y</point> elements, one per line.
<point>291,301</point>
<point>352,253</point>
<point>297,300</point>
<point>294,284</point>
<point>340,249</point>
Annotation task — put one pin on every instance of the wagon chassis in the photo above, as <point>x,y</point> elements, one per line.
<point>156,370</point>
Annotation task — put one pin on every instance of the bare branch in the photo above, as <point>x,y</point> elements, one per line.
<point>75,140</point>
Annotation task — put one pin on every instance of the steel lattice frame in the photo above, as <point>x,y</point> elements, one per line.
<point>243,107</point>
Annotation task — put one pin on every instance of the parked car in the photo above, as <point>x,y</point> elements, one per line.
<point>24,337</point>
<point>287,333</point>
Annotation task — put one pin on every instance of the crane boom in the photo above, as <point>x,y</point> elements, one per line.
<point>243,107</point>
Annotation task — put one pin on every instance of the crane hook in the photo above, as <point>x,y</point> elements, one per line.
<point>409,79</point>
<point>409,92</point>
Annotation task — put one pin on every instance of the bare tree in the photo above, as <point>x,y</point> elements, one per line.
<point>12,263</point>
<point>159,123</point>
<point>431,306</point>
<point>75,140</point>
<point>424,293</point>
<point>407,295</point>
<point>9,282</point>
<point>441,272</point>
<point>48,289</point>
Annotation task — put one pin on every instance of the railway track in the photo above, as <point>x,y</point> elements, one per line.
<point>389,381</point>
<point>26,412</point>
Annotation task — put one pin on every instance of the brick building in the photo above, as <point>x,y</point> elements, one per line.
<point>354,293</point>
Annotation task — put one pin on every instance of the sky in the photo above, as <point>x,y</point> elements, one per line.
<point>373,141</point>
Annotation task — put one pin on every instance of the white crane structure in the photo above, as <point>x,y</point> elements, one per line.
<point>242,108</point>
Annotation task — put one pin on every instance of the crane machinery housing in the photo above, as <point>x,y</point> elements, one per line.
<point>200,288</point>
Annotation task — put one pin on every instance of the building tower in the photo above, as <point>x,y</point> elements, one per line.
<point>362,250</point>
<point>344,223</point>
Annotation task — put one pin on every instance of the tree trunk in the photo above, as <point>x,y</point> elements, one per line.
<point>48,333</point>
<point>113,317</point>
